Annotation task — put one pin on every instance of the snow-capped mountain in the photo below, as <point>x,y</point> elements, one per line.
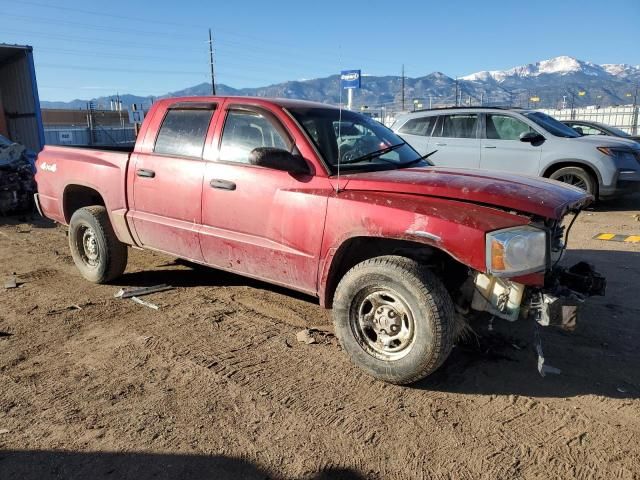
<point>562,65</point>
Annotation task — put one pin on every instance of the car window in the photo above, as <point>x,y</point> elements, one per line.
<point>589,130</point>
<point>457,126</point>
<point>245,130</point>
<point>183,132</point>
<point>418,126</point>
<point>503,127</point>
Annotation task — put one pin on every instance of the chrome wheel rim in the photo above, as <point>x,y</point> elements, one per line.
<point>382,323</point>
<point>89,249</point>
<point>574,180</point>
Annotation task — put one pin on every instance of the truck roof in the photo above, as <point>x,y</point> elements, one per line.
<point>282,102</point>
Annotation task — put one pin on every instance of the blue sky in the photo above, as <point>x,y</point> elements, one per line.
<point>86,49</point>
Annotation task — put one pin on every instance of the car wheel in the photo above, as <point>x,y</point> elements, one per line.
<point>394,318</point>
<point>578,177</point>
<point>95,249</point>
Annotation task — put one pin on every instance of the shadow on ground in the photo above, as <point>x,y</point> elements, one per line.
<point>42,465</point>
<point>600,357</point>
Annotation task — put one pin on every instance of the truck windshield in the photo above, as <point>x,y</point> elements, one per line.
<point>551,125</point>
<point>356,141</point>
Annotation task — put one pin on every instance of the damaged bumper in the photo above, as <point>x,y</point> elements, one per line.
<point>557,303</point>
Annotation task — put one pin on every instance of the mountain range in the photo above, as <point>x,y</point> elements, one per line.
<point>554,81</point>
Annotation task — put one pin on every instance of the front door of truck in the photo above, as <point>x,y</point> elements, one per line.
<point>167,187</point>
<point>257,221</point>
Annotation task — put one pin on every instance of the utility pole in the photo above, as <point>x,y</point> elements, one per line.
<point>403,87</point>
<point>213,82</point>
<point>634,116</point>
<point>456,91</point>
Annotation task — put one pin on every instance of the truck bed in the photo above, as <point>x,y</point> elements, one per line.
<point>125,148</point>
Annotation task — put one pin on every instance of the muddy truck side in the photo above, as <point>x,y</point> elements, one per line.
<point>330,203</point>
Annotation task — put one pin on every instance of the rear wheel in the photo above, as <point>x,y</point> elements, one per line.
<point>394,319</point>
<point>95,249</point>
<point>578,177</point>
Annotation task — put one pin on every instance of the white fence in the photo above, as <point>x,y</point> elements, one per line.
<point>624,117</point>
<point>85,136</point>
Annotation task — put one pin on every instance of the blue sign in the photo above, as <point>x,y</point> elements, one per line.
<point>350,78</point>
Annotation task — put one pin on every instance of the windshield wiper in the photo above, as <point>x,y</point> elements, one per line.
<point>419,159</point>
<point>372,155</point>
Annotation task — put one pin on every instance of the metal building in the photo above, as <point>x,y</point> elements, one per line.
<point>20,117</point>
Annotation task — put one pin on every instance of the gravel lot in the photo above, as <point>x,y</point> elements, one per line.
<point>214,384</point>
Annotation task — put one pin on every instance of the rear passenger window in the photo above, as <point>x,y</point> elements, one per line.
<point>245,130</point>
<point>418,126</point>
<point>503,127</point>
<point>183,132</point>
<point>457,126</point>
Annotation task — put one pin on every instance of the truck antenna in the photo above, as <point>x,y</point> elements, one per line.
<point>339,115</point>
<point>339,131</point>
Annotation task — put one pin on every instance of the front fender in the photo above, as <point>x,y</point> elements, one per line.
<point>455,227</point>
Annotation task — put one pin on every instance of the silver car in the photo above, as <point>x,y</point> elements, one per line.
<point>523,141</point>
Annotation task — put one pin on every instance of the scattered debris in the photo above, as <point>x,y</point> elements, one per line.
<point>17,184</point>
<point>129,292</point>
<point>12,282</point>
<point>542,368</point>
<point>64,309</point>
<point>146,304</point>
<point>316,335</point>
<point>304,336</point>
<point>5,334</point>
<point>622,390</point>
<point>4,431</point>
<point>637,216</point>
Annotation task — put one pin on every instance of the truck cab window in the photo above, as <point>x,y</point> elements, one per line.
<point>183,133</point>
<point>245,130</point>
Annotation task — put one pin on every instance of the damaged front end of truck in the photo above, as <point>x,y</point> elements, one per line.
<point>558,298</point>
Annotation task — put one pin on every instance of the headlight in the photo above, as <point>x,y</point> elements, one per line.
<point>516,251</point>
<point>618,153</point>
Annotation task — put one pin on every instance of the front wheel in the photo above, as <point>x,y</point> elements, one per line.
<point>95,249</point>
<point>394,318</point>
<point>578,177</point>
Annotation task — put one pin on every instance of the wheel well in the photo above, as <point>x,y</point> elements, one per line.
<point>79,196</point>
<point>359,249</point>
<point>557,166</point>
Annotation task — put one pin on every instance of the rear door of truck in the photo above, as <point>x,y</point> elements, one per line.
<point>167,182</point>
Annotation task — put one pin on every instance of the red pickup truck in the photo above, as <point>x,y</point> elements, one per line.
<point>327,202</point>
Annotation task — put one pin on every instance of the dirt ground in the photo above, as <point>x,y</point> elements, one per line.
<point>214,384</point>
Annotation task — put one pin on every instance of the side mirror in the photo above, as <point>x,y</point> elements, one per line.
<point>278,159</point>
<point>531,137</point>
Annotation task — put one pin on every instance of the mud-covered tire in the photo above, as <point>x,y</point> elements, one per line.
<point>411,288</point>
<point>95,249</point>
<point>578,177</point>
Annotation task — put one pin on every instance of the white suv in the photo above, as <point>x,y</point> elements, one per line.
<point>523,141</point>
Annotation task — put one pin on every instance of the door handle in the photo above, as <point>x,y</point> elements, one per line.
<point>441,144</point>
<point>141,172</point>
<point>222,184</point>
<point>488,146</point>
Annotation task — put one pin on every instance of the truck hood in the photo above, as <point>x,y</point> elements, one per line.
<point>524,194</point>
